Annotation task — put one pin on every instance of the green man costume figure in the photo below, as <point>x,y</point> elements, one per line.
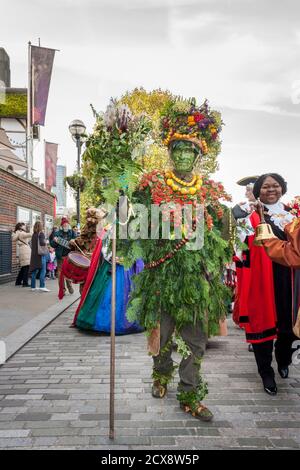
<point>180,289</point>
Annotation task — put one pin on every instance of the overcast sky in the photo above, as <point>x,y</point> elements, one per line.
<point>243,55</point>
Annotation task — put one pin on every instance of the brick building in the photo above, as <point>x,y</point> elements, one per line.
<point>21,200</point>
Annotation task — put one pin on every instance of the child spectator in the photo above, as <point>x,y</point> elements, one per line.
<point>52,263</point>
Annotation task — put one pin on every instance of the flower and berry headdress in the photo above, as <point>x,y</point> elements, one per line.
<point>184,120</point>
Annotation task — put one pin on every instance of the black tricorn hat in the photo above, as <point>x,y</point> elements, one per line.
<point>247,180</point>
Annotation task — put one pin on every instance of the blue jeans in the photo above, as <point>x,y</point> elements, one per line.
<point>42,274</point>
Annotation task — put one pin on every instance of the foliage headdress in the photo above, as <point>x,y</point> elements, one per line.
<point>184,120</point>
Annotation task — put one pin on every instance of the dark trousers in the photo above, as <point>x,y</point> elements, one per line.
<point>189,369</point>
<point>23,276</point>
<point>283,353</point>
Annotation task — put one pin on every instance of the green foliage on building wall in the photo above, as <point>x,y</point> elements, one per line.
<point>14,106</point>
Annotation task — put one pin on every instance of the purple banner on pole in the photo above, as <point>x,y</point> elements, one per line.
<point>41,63</point>
<point>50,165</point>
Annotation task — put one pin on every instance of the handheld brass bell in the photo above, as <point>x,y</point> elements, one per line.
<point>263,231</point>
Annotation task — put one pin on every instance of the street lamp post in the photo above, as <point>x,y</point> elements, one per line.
<point>77,130</point>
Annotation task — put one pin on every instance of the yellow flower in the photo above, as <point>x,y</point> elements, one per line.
<point>191,121</point>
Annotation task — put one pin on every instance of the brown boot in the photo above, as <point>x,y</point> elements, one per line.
<point>70,288</point>
<point>199,412</point>
<point>158,390</point>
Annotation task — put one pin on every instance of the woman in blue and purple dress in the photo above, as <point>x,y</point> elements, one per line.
<point>93,312</point>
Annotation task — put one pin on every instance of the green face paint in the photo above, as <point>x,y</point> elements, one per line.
<point>183,156</point>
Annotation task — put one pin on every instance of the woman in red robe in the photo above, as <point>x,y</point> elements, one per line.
<point>266,307</point>
<point>287,253</point>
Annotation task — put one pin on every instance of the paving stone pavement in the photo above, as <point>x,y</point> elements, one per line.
<point>54,394</point>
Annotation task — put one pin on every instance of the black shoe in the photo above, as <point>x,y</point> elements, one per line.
<point>270,386</point>
<point>271,390</point>
<point>283,372</point>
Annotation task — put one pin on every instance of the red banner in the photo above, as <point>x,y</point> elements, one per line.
<point>41,67</point>
<point>50,165</point>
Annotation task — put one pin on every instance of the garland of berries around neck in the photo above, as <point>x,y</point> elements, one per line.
<point>208,192</point>
<point>163,190</point>
<point>184,187</point>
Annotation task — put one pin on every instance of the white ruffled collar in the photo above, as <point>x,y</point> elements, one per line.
<point>279,215</point>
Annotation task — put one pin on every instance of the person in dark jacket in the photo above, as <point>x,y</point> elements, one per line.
<point>37,261</point>
<point>64,235</point>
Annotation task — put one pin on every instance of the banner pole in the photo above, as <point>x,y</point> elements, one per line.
<point>29,117</point>
<point>45,164</point>
<point>112,333</point>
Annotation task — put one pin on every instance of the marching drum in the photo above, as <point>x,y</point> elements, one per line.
<point>75,268</point>
<point>79,260</point>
